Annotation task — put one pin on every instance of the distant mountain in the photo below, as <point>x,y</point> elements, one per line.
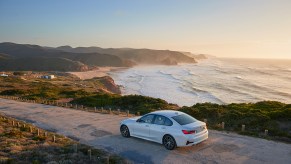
<point>82,58</point>
<point>138,56</point>
<point>41,64</point>
<point>21,51</point>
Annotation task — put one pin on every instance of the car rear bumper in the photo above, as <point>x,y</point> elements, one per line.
<point>190,140</point>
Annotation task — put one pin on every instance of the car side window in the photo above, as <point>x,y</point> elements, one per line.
<point>168,122</point>
<point>160,120</point>
<point>147,119</point>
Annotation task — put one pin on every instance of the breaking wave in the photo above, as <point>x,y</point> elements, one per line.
<point>213,80</point>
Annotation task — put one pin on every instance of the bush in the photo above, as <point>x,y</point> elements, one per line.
<point>257,117</point>
<point>135,103</point>
<point>12,92</point>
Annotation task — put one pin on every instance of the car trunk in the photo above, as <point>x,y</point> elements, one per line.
<point>198,126</point>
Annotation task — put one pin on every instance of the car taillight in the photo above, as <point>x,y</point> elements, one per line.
<point>189,131</point>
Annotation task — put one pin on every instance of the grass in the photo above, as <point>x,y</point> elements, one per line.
<point>19,145</point>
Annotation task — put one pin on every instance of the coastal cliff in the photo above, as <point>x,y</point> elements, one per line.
<point>108,85</point>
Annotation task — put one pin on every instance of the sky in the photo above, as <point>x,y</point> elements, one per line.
<point>224,28</point>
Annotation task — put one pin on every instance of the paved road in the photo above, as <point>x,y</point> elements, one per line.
<point>102,131</point>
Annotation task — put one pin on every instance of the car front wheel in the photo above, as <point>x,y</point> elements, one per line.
<point>124,131</point>
<point>169,142</point>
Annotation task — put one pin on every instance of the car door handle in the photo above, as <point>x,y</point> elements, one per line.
<point>147,126</point>
<point>163,127</point>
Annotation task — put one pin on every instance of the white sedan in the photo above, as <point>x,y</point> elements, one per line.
<point>168,127</point>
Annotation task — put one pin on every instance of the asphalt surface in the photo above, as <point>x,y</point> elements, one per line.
<point>102,131</point>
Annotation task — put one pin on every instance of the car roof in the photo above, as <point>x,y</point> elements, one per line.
<point>167,113</point>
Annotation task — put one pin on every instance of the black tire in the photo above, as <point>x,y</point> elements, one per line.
<point>169,142</point>
<point>124,131</point>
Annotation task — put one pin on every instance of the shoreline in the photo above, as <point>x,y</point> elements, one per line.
<point>100,72</point>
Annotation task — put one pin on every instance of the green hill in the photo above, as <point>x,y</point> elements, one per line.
<point>41,64</point>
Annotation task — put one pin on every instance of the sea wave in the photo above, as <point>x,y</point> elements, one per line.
<point>209,81</point>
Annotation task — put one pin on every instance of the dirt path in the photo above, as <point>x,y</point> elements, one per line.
<point>102,131</point>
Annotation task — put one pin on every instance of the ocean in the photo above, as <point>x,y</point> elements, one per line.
<point>215,80</point>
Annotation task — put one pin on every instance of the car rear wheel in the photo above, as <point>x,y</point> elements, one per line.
<point>169,142</point>
<point>124,131</point>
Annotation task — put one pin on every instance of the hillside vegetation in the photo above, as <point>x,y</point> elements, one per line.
<point>41,64</point>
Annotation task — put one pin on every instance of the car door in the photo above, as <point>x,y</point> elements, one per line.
<point>159,127</point>
<point>142,126</point>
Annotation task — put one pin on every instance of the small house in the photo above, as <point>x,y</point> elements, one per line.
<point>3,75</point>
<point>48,77</point>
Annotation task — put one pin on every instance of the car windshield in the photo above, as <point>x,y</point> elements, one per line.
<point>184,119</point>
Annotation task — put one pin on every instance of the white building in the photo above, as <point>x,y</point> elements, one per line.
<point>48,77</point>
<point>4,75</point>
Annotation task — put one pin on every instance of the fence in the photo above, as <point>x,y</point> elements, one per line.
<point>52,137</point>
<point>75,106</point>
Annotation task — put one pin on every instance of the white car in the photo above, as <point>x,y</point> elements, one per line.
<point>168,127</point>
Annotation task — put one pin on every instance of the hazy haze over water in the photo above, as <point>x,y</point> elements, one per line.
<point>213,80</point>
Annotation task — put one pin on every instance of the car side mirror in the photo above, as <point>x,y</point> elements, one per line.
<point>138,120</point>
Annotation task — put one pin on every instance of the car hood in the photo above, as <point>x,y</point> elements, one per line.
<point>130,120</point>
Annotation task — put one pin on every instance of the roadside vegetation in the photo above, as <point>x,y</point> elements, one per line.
<point>21,143</point>
<point>133,103</point>
<point>257,117</point>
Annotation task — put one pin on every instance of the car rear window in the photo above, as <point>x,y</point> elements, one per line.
<point>184,119</point>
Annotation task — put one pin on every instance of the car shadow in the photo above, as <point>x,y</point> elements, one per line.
<point>139,150</point>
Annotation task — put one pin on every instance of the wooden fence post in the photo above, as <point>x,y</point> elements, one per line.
<point>243,127</point>
<point>108,160</point>
<point>89,152</point>
<point>222,125</point>
<point>266,132</point>
<point>127,113</point>
<point>76,148</point>
<point>205,120</point>
<point>54,138</point>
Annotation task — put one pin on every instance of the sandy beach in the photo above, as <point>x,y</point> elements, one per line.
<point>102,71</point>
